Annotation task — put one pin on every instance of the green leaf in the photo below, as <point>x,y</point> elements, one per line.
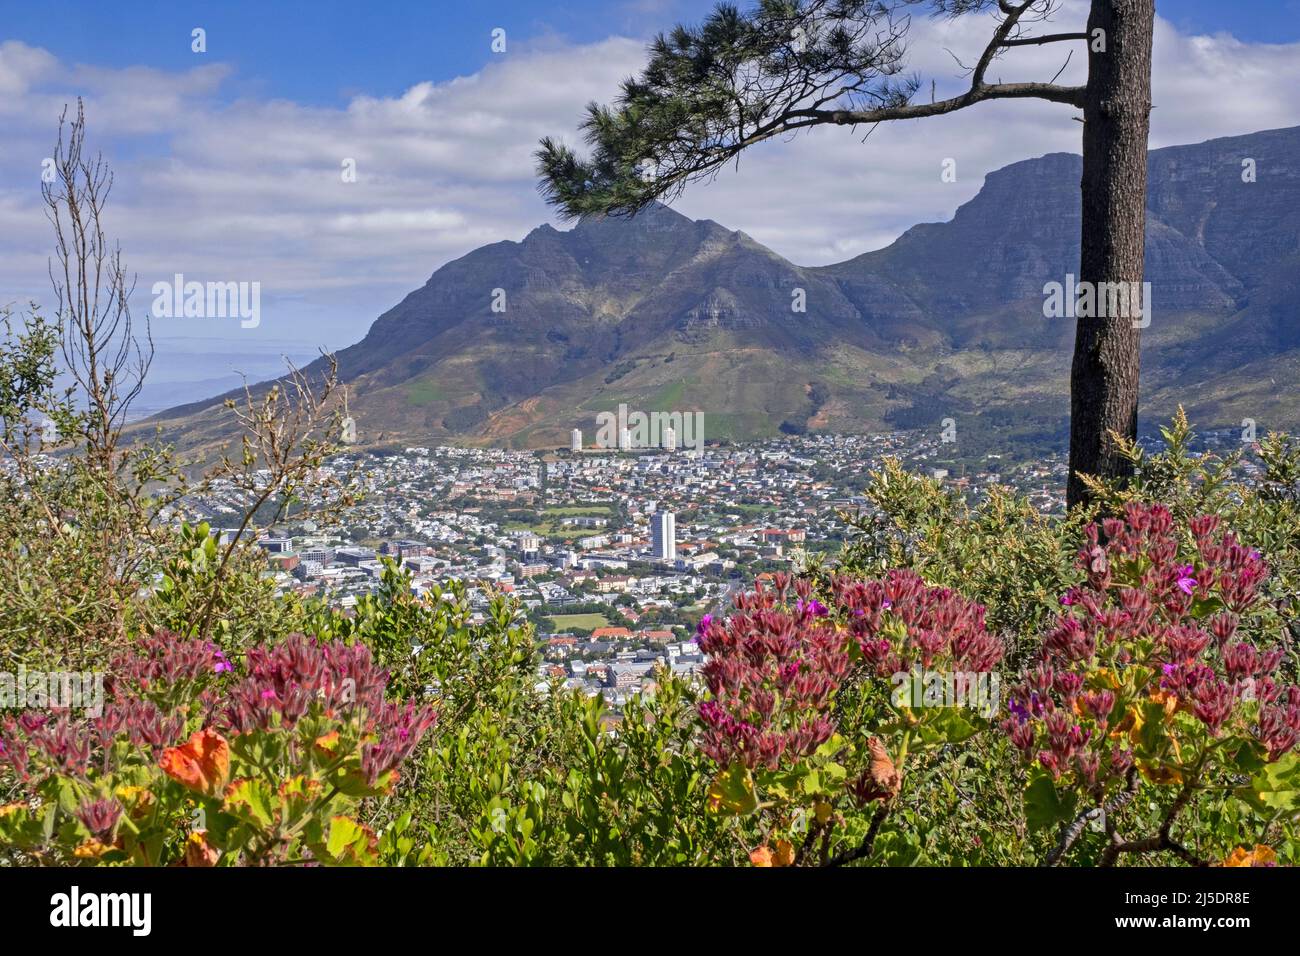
<point>832,746</point>
<point>833,772</point>
<point>253,800</point>
<point>1153,737</point>
<point>732,792</point>
<point>1277,786</point>
<point>946,725</point>
<point>1204,607</point>
<point>1045,806</point>
<point>782,785</point>
<point>811,783</point>
<point>349,843</point>
<point>1249,757</point>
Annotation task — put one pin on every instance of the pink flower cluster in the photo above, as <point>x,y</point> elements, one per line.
<point>1054,720</point>
<point>285,681</point>
<point>301,675</point>
<point>1141,592</point>
<point>1146,542</point>
<point>772,671</point>
<point>165,678</point>
<point>61,742</point>
<point>774,666</point>
<point>64,744</point>
<point>163,660</point>
<point>934,628</point>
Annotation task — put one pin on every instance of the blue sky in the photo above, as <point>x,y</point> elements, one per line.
<point>324,51</point>
<point>227,163</point>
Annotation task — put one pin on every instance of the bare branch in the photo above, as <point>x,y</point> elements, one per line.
<point>1047,38</point>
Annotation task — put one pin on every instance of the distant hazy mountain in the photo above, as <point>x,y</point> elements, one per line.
<point>667,314</point>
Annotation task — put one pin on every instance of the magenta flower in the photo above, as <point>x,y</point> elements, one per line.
<point>701,628</point>
<point>1186,583</point>
<point>1018,709</point>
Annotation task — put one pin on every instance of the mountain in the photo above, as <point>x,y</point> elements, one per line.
<point>668,314</point>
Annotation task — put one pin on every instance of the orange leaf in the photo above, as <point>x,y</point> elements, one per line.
<point>327,745</point>
<point>784,853</point>
<point>1265,855</point>
<point>1167,698</point>
<point>199,852</point>
<point>1260,856</point>
<point>1129,725</point>
<point>1159,773</point>
<point>299,786</point>
<point>202,763</point>
<point>885,779</point>
<point>138,800</point>
<point>91,849</point>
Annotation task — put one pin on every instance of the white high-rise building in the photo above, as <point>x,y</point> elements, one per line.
<point>624,439</point>
<point>670,439</point>
<point>575,440</point>
<point>664,535</point>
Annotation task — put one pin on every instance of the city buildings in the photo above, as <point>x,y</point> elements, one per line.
<point>617,552</point>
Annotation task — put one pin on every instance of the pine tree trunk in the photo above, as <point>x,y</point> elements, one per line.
<point>1104,375</point>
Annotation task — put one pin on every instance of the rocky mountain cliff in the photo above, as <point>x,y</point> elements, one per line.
<point>518,342</point>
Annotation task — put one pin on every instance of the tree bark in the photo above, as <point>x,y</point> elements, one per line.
<point>1116,119</point>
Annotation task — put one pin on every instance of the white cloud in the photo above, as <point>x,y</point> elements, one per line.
<point>251,189</point>
<point>20,66</point>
